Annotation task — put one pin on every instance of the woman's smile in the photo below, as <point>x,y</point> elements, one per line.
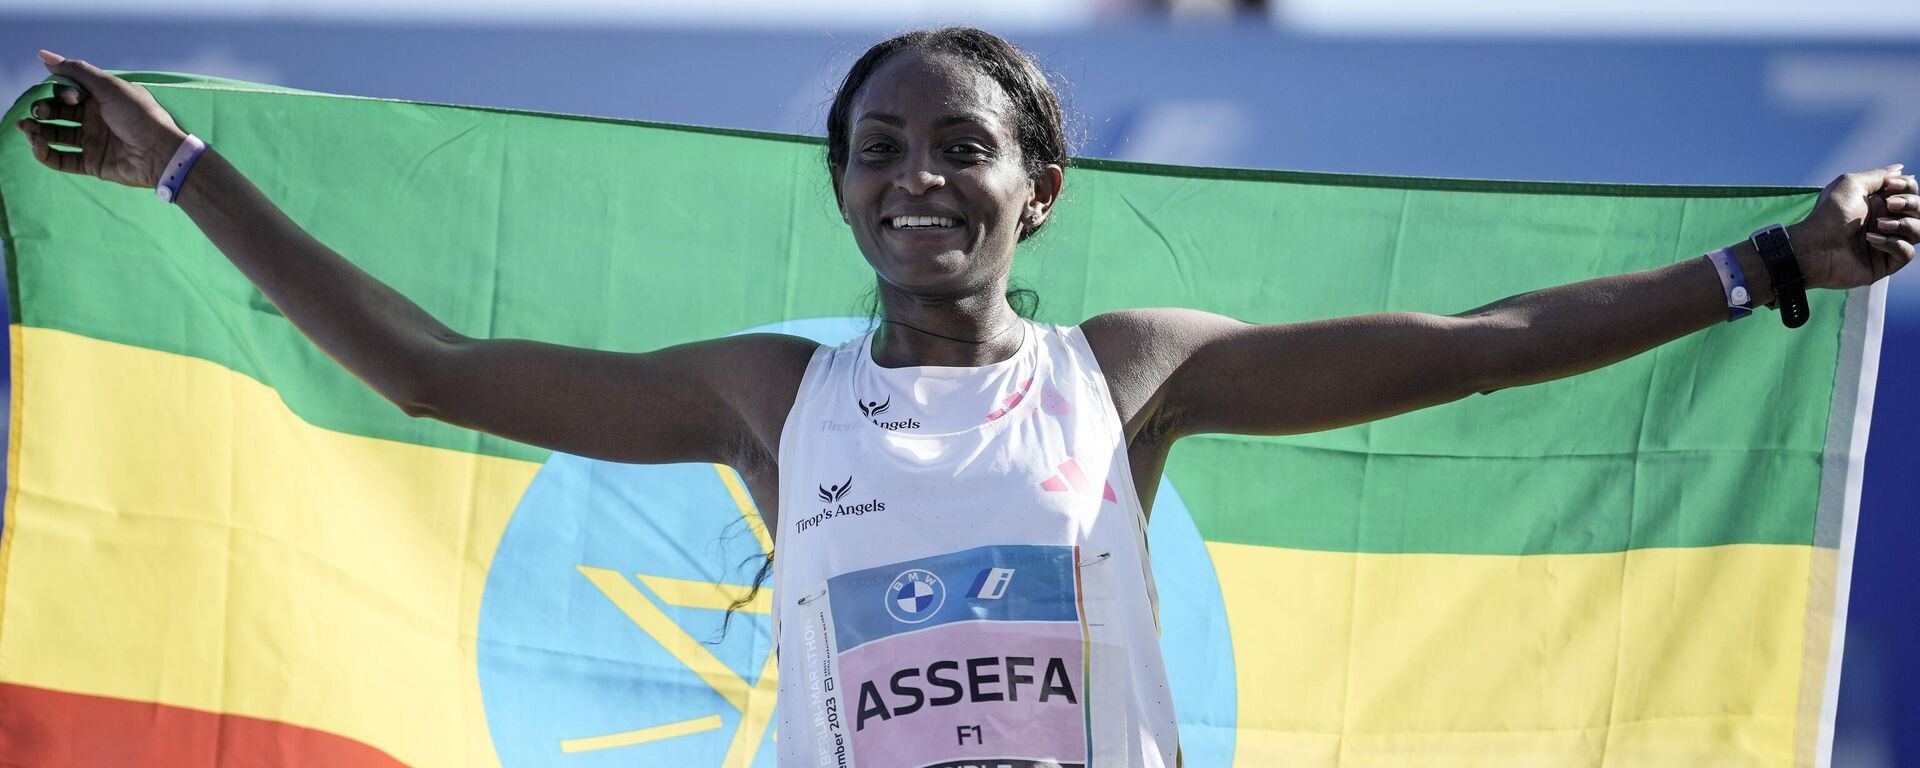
<point>915,233</point>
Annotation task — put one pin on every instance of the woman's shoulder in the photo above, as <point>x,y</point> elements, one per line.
<point>1138,350</point>
<point>1148,336</point>
<point>763,373</point>
<point>774,350</point>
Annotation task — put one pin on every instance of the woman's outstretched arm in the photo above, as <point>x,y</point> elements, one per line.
<point>719,400</point>
<point>1190,372</point>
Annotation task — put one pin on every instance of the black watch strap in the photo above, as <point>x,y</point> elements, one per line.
<point>1789,286</point>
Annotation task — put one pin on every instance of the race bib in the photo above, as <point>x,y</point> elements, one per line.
<point>975,659</point>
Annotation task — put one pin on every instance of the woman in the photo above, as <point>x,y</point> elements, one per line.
<point>961,569</point>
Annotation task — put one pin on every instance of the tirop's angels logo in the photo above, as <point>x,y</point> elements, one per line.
<point>873,408</point>
<point>832,493</point>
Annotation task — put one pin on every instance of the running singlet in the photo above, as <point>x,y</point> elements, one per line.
<point>961,575</point>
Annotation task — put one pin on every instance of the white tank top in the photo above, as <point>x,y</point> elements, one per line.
<point>960,574</point>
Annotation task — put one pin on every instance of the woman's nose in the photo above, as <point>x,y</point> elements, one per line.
<point>917,182</point>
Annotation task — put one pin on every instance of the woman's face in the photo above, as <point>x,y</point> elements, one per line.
<point>934,186</point>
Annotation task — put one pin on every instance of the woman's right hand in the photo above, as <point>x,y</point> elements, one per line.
<point>124,135</point>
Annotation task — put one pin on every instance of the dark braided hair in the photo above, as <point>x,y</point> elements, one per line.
<point>1038,124</point>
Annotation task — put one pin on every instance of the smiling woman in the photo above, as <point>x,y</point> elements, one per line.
<point>964,577</point>
<point>992,137</point>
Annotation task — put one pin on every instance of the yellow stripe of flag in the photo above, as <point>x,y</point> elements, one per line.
<point>214,551</point>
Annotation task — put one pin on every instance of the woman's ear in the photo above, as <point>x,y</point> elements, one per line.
<point>838,201</point>
<point>1047,184</point>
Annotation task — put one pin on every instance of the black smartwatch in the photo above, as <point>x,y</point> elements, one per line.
<point>1789,286</point>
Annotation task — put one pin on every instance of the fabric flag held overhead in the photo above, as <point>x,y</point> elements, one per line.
<point>219,548</point>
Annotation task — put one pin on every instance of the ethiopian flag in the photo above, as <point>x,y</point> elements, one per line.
<point>219,548</point>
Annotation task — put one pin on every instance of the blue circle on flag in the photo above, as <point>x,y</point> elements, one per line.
<point>600,637</point>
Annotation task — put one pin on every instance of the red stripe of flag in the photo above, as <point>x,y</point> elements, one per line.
<point>45,728</point>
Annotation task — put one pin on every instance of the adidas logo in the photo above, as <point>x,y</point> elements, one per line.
<point>1012,400</point>
<point>1071,480</point>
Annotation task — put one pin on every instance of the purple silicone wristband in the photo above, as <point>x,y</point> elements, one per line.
<point>168,190</point>
<point>1733,280</point>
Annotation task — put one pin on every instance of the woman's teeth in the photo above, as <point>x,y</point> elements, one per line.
<point>921,222</point>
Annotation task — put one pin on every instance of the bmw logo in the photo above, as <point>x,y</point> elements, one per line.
<point>914,596</point>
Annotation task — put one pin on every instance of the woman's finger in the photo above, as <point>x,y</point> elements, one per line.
<point>52,109</point>
<point>1903,203</point>
<point>87,75</point>
<point>54,134</point>
<point>1886,243</point>
<point>69,162</point>
<point>1897,185</point>
<point>1907,229</point>
<point>1900,252</point>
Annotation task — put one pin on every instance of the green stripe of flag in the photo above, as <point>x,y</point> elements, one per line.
<point>632,236</point>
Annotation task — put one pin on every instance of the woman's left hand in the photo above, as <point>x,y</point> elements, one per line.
<point>1865,227</point>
